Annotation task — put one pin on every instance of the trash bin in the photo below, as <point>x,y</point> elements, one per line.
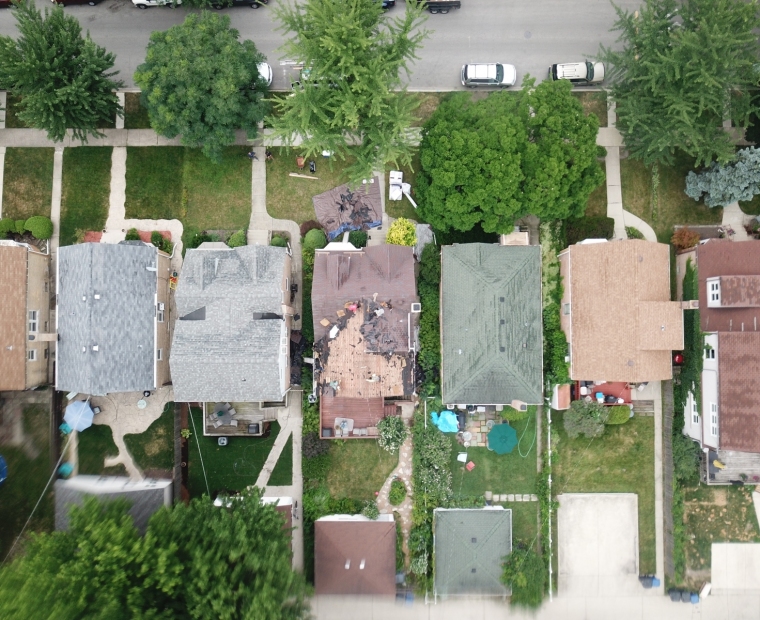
<point>65,470</point>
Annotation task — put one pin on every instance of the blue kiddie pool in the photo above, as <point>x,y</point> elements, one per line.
<point>3,470</point>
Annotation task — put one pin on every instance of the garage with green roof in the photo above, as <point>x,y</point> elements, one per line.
<point>491,324</point>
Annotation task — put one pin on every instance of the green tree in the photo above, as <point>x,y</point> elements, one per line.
<point>585,418</point>
<point>352,89</point>
<point>525,572</point>
<point>503,157</point>
<point>402,232</point>
<point>722,185</point>
<point>40,226</point>
<point>684,67</point>
<point>63,79</point>
<point>201,82</point>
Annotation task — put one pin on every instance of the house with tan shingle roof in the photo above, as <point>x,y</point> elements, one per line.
<point>25,340</point>
<point>616,312</point>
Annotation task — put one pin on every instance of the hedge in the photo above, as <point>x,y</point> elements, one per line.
<point>618,414</point>
<point>589,228</point>
<point>40,226</point>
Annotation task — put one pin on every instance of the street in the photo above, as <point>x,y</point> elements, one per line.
<point>530,34</point>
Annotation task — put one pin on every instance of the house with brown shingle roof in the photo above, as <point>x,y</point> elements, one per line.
<point>355,555</point>
<point>616,311</point>
<point>24,316</point>
<point>725,419</point>
<point>365,309</point>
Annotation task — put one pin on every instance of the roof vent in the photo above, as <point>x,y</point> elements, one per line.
<point>502,322</point>
<point>502,349</point>
<point>84,349</point>
<point>361,564</point>
<point>641,258</point>
<point>97,296</point>
<point>501,299</point>
<point>630,362</point>
<point>662,328</point>
<point>473,570</point>
<point>525,345</point>
<point>416,308</point>
<point>95,348</point>
<point>84,297</point>
<point>474,540</point>
<point>348,564</point>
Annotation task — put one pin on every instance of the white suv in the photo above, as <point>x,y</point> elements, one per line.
<point>579,73</point>
<point>488,74</point>
<point>144,4</point>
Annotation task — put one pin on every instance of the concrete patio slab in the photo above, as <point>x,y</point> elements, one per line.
<point>736,566</point>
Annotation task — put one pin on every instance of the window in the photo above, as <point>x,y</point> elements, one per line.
<point>709,354</point>
<point>714,291</point>
<point>33,324</point>
<point>566,309</point>
<point>159,354</point>
<point>714,419</point>
<point>160,316</point>
<point>31,355</point>
<point>694,412</point>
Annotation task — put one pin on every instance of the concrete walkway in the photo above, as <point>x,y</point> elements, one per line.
<point>611,139</point>
<point>403,472</point>
<point>734,217</point>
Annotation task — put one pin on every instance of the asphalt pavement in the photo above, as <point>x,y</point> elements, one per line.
<point>530,34</point>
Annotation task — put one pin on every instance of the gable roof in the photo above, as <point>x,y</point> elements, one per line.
<point>722,257</point>
<point>739,398</point>
<point>470,546</point>
<point>13,291</point>
<point>121,322</point>
<point>227,338</point>
<point>491,324</point>
<point>354,556</point>
<point>623,326</point>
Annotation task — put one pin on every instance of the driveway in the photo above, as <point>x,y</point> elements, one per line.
<point>736,566</point>
<point>598,539</point>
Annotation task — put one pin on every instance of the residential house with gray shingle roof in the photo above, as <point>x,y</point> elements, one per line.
<point>491,324</point>
<point>112,316</point>
<point>470,545</point>
<point>232,336</point>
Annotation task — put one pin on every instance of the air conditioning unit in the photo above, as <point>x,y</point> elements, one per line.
<point>519,405</point>
<point>160,306</point>
<point>416,308</point>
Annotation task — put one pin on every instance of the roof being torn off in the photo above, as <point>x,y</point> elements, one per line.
<point>342,209</point>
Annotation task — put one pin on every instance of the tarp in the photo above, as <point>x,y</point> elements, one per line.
<point>78,415</point>
<point>342,209</point>
<point>446,421</point>
<point>502,439</point>
<point>3,470</point>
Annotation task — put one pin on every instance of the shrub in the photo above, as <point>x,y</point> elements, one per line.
<point>589,228</point>
<point>309,225</point>
<point>370,510</point>
<point>392,433</point>
<point>132,235</point>
<point>397,494</point>
<point>584,418</point>
<point>198,238</point>
<point>40,226</point>
<point>429,357</point>
<point>279,241</point>
<point>685,459</point>
<point>618,414</point>
<point>358,238</point>
<point>20,227</point>
<point>634,233</point>
<point>419,565</point>
<point>512,415</point>
<point>684,238</point>
<point>314,240</point>
<point>313,446</point>
<point>400,557</point>
<point>157,239</point>
<point>237,239</point>
<point>316,468</point>
<point>402,232</point>
<point>6,226</point>
<point>524,571</point>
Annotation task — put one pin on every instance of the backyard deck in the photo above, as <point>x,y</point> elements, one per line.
<point>617,389</point>
<point>245,414</point>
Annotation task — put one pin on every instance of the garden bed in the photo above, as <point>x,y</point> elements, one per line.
<point>86,189</point>
<point>27,182</point>
<point>135,115</point>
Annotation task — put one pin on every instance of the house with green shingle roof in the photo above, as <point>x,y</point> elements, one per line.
<point>491,324</point>
<point>470,546</point>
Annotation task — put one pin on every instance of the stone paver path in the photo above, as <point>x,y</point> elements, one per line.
<point>403,472</point>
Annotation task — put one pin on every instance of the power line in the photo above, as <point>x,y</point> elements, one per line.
<point>198,443</point>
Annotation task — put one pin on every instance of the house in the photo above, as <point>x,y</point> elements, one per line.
<point>355,555</point>
<point>620,324</point>
<point>365,309</point>
<point>469,548</point>
<point>232,336</point>
<point>112,316</point>
<point>145,497</point>
<point>24,316</point>
<point>491,324</point>
<point>727,424</point>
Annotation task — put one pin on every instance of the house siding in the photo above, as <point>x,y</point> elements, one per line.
<point>38,298</point>
<point>163,330</point>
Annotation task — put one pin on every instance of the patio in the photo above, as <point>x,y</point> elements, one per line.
<point>234,418</point>
<point>609,390</point>
<point>477,425</point>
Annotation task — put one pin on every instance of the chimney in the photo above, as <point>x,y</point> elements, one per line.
<point>348,564</point>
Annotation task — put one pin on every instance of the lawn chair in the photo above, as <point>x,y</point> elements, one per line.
<point>300,162</point>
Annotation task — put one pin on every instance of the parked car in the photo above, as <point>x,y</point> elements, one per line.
<point>144,4</point>
<point>440,6</point>
<point>579,73</point>
<point>388,4</point>
<point>254,4</point>
<point>68,2</point>
<point>488,74</point>
<point>4,4</point>
<point>265,71</point>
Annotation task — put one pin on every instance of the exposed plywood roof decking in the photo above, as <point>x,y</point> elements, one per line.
<point>13,317</point>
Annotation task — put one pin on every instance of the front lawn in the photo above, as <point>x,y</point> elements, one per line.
<point>594,103</point>
<point>673,205</point>
<point>358,468</point>
<point>29,467</point>
<point>154,449</point>
<point>505,473</point>
<point>621,461</point>
<point>27,182</point>
<point>135,116</point>
<point>282,474</point>
<point>228,468</point>
<point>597,202</point>
<point>94,445</point>
<point>11,107</point>
<point>86,189</point>
<point>154,182</point>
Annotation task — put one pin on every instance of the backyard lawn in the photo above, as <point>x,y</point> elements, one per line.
<point>86,189</point>
<point>95,444</point>
<point>27,182</point>
<point>674,206</point>
<point>524,520</point>
<point>135,116</point>
<point>621,461</point>
<point>29,467</point>
<point>282,474</point>
<point>228,468</point>
<point>358,468</point>
<point>154,449</point>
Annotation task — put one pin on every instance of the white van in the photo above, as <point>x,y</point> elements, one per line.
<point>579,73</point>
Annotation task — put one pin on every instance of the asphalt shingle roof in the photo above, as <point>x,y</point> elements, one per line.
<point>228,334</point>
<point>121,322</point>
<point>492,343</point>
<point>470,546</point>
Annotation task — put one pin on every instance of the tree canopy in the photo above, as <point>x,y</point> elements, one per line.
<point>402,232</point>
<point>724,184</point>
<point>351,89</point>
<point>195,561</point>
<point>201,82</point>
<point>493,161</point>
<point>64,79</point>
<point>685,67</point>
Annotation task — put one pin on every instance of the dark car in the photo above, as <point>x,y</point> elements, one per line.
<point>388,4</point>
<point>4,4</point>
<point>254,4</point>
<point>68,2</point>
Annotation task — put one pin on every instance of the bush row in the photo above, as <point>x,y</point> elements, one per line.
<point>429,281</point>
<point>39,226</point>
